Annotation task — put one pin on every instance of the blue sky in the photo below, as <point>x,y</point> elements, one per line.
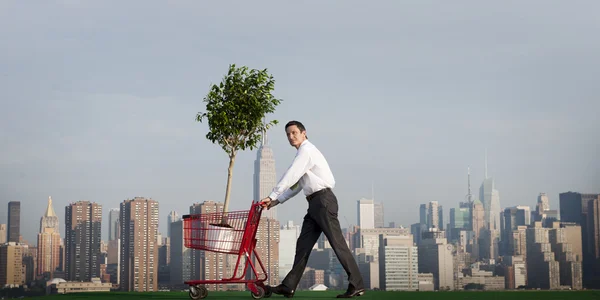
<point>98,100</point>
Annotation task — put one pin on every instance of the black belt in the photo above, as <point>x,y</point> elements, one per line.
<point>309,197</point>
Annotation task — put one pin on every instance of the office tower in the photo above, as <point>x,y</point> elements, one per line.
<point>288,236</point>
<point>478,221</point>
<point>11,264</point>
<point>113,260</point>
<point>83,223</point>
<point>172,218</point>
<point>366,213</point>
<point>113,224</point>
<point>30,256</point>
<point>139,249</point>
<point>3,233</point>
<point>512,218</point>
<point>543,204</point>
<point>543,269</point>
<point>490,197</point>
<point>265,175</point>
<point>379,218</point>
<point>583,210</point>
<point>435,216</point>
<point>565,240</point>
<point>398,263</point>
<point>460,220</point>
<point>164,261</point>
<point>368,239</point>
<point>14,221</point>
<point>180,266</point>
<point>48,243</point>
<point>435,256</point>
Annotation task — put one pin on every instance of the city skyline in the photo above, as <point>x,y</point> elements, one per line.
<point>106,215</point>
<point>99,110</point>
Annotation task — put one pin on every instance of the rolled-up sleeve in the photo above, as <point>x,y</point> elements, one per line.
<point>301,164</point>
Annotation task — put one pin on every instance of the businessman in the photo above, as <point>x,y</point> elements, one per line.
<point>310,173</point>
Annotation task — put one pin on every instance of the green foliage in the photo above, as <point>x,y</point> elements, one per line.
<point>236,107</point>
<point>235,110</point>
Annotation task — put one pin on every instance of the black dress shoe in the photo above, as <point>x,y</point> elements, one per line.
<point>352,293</point>
<point>282,290</point>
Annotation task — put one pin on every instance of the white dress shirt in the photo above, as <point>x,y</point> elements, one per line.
<point>309,172</point>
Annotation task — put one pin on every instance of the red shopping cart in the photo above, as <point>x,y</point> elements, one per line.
<point>237,235</point>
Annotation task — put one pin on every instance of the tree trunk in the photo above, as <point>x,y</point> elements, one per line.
<point>228,190</point>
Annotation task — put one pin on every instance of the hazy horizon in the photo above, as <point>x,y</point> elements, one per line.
<point>99,101</point>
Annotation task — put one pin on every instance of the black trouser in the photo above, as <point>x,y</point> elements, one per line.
<point>322,217</point>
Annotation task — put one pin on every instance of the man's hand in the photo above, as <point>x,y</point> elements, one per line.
<point>268,203</point>
<point>265,202</point>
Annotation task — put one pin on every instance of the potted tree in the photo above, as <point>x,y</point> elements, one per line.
<point>235,111</point>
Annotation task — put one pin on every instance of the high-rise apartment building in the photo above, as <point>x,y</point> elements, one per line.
<point>267,247</point>
<point>83,223</point>
<point>139,249</point>
<point>11,264</point>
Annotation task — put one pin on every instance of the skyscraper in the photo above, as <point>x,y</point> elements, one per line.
<point>583,210</point>
<point>172,218</point>
<point>48,243</point>
<point>139,249</point>
<point>379,219</point>
<point>83,223</point>
<point>287,246</point>
<point>490,198</point>
<point>398,263</point>
<point>14,221</point>
<point>543,204</point>
<point>435,215</point>
<point>264,175</point>
<point>2,233</point>
<point>435,256</point>
<point>366,213</point>
<point>113,224</point>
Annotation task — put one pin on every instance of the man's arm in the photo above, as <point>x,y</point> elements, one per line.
<point>301,164</point>
<point>290,193</point>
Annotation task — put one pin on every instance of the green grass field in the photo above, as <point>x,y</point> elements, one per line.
<point>374,295</point>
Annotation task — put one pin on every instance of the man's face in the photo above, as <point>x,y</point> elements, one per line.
<point>295,136</point>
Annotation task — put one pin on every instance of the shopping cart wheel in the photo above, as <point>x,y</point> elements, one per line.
<point>260,294</point>
<point>198,292</point>
<point>268,292</point>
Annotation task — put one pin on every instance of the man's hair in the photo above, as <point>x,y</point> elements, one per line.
<point>297,123</point>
